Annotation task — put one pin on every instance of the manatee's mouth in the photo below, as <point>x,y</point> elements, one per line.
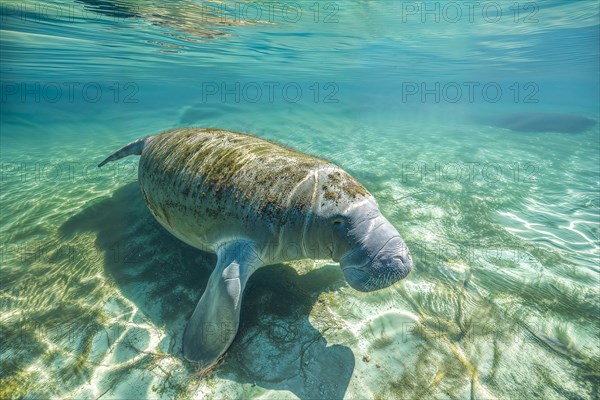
<point>390,264</point>
<point>356,278</point>
<point>362,281</point>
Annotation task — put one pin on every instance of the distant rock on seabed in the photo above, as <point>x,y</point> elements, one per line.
<point>541,122</point>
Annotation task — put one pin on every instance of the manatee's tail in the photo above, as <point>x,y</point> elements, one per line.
<point>133,148</point>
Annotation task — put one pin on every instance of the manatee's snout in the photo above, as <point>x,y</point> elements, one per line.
<point>392,263</point>
<point>380,259</point>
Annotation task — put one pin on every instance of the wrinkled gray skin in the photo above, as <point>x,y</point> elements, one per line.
<point>255,203</point>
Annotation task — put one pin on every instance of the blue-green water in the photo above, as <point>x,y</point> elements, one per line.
<point>503,224</point>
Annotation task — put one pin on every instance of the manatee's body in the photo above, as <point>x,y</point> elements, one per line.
<point>255,203</point>
<point>206,185</point>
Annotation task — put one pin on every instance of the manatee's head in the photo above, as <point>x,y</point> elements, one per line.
<point>371,252</point>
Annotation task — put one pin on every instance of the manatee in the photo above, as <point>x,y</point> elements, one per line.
<point>542,122</point>
<point>256,203</point>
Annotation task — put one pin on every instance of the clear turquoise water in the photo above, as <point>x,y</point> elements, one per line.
<point>503,225</point>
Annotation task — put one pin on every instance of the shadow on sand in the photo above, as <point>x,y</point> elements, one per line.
<point>276,348</point>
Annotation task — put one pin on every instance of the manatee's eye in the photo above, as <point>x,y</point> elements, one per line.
<point>337,221</point>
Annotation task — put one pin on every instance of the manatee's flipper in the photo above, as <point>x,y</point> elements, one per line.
<point>215,320</point>
<point>133,148</point>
